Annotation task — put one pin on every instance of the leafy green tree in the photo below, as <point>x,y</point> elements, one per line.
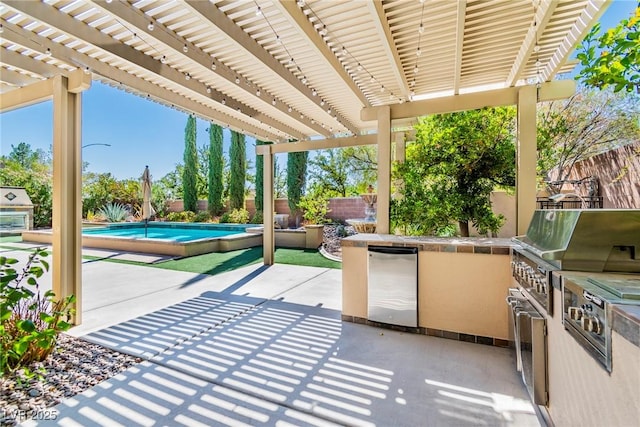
<point>190,173</point>
<point>588,123</point>
<point>279,180</point>
<point>171,183</point>
<point>331,172</point>
<point>612,58</point>
<point>363,162</point>
<point>216,166</point>
<point>27,157</point>
<point>202,178</point>
<point>296,179</point>
<point>344,172</point>
<point>37,181</point>
<point>161,196</point>
<point>237,157</point>
<point>451,169</point>
<point>99,190</point>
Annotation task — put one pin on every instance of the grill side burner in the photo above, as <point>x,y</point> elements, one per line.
<point>587,304</point>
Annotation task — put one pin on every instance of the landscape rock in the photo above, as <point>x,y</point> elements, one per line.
<point>73,367</point>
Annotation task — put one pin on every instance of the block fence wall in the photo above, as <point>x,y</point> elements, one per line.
<point>618,174</point>
<point>341,208</point>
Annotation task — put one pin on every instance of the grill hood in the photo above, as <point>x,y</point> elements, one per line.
<point>586,240</point>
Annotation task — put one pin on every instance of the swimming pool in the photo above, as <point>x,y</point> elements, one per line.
<point>164,238</point>
<point>173,232</point>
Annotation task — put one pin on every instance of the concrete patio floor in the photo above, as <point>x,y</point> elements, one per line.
<point>265,346</point>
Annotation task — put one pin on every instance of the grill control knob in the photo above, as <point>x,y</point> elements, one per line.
<point>576,313</point>
<point>594,325</point>
<point>541,286</point>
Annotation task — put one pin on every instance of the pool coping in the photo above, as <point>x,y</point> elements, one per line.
<point>309,237</point>
<point>158,246</point>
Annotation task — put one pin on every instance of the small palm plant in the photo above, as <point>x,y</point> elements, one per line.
<point>30,321</point>
<point>113,212</point>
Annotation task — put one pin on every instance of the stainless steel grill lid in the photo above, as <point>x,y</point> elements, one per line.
<point>586,240</point>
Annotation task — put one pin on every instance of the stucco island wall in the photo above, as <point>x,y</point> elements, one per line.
<point>581,391</point>
<point>462,284</point>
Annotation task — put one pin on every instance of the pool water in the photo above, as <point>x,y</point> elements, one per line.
<point>175,234</point>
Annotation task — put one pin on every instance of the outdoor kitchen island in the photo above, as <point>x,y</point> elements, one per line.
<point>462,284</point>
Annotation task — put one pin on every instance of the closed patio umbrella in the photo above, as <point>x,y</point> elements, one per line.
<point>147,209</point>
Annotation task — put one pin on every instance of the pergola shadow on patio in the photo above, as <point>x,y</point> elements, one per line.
<point>266,346</point>
<point>223,359</point>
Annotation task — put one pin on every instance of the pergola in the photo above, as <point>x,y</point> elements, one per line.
<point>322,73</point>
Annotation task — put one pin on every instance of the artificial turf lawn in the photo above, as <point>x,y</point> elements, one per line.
<point>219,262</point>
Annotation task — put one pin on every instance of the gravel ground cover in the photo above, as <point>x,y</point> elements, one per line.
<point>333,235</point>
<point>75,366</point>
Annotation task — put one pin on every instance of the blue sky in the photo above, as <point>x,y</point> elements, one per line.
<point>139,131</point>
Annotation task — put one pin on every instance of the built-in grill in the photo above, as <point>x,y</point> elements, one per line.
<point>583,247</point>
<point>599,240</point>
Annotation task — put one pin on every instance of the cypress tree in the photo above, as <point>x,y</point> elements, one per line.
<point>237,157</point>
<point>259,180</point>
<point>216,165</point>
<point>296,179</point>
<point>190,172</point>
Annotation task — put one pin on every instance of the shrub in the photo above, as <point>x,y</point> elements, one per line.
<point>315,208</point>
<point>30,321</point>
<point>113,212</point>
<point>258,218</point>
<point>236,216</point>
<point>202,217</point>
<point>341,231</point>
<point>101,189</point>
<point>184,216</point>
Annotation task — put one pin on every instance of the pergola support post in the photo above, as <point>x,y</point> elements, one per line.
<point>384,170</point>
<point>67,190</point>
<point>268,236</point>
<point>526,153</point>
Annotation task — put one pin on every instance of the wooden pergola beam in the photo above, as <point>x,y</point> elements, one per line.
<point>558,89</point>
<point>322,144</point>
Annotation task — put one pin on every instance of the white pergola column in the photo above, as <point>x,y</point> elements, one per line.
<point>67,188</point>
<point>268,236</point>
<point>384,169</point>
<point>526,153</point>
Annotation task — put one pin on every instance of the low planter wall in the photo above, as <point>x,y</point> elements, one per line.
<point>309,237</point>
